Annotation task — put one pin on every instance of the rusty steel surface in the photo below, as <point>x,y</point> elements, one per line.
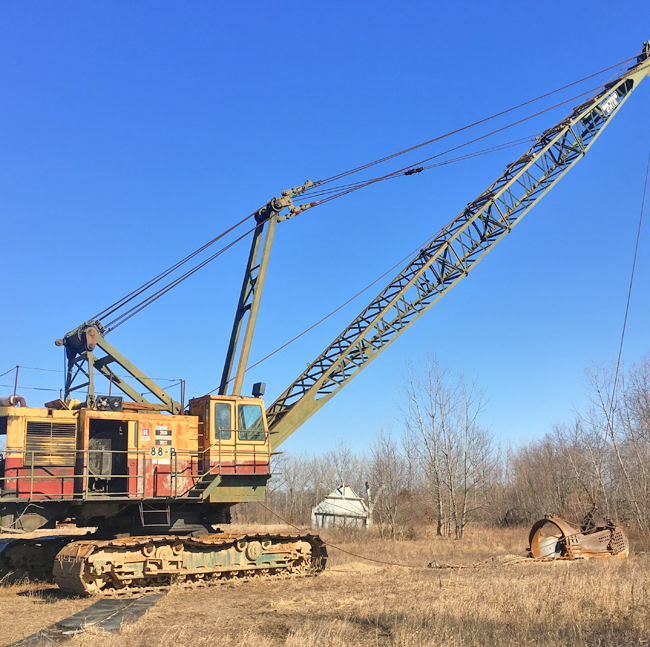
<point>158,456</point>
<point>555,537</point>
<point>137,564</point>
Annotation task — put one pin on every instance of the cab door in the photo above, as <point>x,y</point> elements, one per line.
<point>219,443</point>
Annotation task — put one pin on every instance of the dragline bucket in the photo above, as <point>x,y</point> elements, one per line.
<point>553,537</point>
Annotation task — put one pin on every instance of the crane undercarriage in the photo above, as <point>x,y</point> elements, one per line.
<point>137,564</point>
<point>140,455</point>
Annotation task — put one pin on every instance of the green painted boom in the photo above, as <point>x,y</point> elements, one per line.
<point>455,251</point>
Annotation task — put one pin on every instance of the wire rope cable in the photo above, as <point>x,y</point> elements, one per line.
<point>331,193</point>
<point>138,307</point>
<point>118,321</point>
<point>145,286</point>
<point>609,428</point>
<point>333,312</point>
<point>356,186</point>
<point>476,123</point>
<point>125,316</point>
<point>401,171</point>
<point>416,169</point>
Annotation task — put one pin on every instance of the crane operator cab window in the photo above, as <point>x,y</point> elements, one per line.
<point>250,422</point>
<point>222,422</point>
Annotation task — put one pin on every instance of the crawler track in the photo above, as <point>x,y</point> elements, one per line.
<point>147,564</point>
<point>30,559</point>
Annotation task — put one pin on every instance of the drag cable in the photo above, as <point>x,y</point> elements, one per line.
<point>343,550</point>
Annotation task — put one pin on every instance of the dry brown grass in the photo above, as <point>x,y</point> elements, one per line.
<point>361,603</point>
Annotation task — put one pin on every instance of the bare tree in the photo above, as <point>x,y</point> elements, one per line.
<point>441,420</point>
<point>608,415</point>
<point>422,436</point>
<point>602,457</point>
<point>388,476</point>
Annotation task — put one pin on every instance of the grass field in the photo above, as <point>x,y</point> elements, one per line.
<point>356,602</point>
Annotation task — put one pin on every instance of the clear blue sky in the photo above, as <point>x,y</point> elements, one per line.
<point>133,132</point>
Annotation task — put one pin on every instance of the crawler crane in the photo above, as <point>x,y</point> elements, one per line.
<point>154,478</point>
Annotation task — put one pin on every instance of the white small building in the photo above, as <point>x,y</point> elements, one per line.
<point>341,508</point>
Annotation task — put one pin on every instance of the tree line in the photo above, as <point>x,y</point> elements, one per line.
<point>442,466</point>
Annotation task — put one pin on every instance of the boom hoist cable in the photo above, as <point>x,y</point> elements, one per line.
<point>324,196</point>
<point>81,342</point>
<point>453,253</point>
<point>156,279</point>
<point>311,187</point>
<point>128,314</point>
<point>476,123</point>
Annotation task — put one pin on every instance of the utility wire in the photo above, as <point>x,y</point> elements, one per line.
<point>54,370</point>
<point>30,388</point>
<point>13,368</point>
<point>34,368</point>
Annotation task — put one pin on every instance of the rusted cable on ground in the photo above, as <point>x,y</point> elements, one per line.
<point>343,550</point>
<point>518,559</point>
